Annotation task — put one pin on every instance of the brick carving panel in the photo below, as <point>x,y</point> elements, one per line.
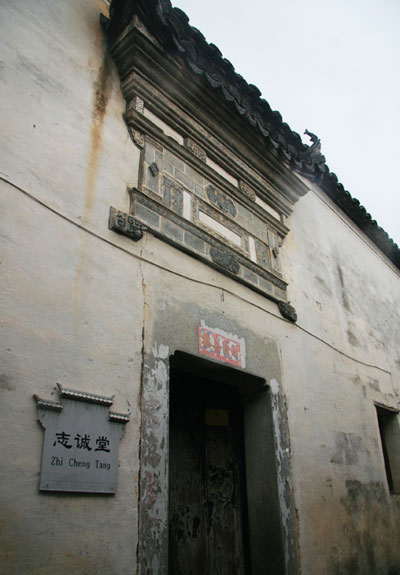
<point>173,195</point>
<point>221,201</point>
<point>183,206</point>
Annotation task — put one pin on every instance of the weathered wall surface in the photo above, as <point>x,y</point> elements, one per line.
<point>72,304</point>
<point>341,357</point>
<point>77,300</point>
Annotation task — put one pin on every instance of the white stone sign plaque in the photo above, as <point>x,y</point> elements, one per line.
<point>81,442</point>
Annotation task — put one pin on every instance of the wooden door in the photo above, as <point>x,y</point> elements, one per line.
<point>207,507</point>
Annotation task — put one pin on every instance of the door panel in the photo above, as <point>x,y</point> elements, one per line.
<point>207,510</point>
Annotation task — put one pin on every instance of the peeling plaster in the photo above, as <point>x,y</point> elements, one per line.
<point>282,451</point>
<point>154,465</point>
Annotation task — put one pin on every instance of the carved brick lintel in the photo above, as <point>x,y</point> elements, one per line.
<point>225,259</point>
<point>136,104</point>
<point>136,136</point>
<point>195,149</point>
<point>247,190</point>
<point>166,222</point>
<point>287,311</point>
<point>125,224</point>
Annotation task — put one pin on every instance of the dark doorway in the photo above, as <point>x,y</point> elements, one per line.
<point>226,414</point>
<point>208,532</point>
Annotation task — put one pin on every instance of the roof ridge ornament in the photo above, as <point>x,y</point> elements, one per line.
<point>313,153</point>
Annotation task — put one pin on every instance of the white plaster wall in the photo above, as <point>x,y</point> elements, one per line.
<point>62,137</point>
<point>341,357</point>
<point>66,323</point>
<point>71,294</point>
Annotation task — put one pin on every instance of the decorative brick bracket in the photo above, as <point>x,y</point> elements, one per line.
<point>126,225</point>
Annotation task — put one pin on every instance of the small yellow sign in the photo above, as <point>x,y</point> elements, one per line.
<point>217,417</point>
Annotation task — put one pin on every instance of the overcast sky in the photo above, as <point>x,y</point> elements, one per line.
<point>331,66</point>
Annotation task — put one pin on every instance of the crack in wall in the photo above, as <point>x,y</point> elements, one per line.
<point>139,490</point>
